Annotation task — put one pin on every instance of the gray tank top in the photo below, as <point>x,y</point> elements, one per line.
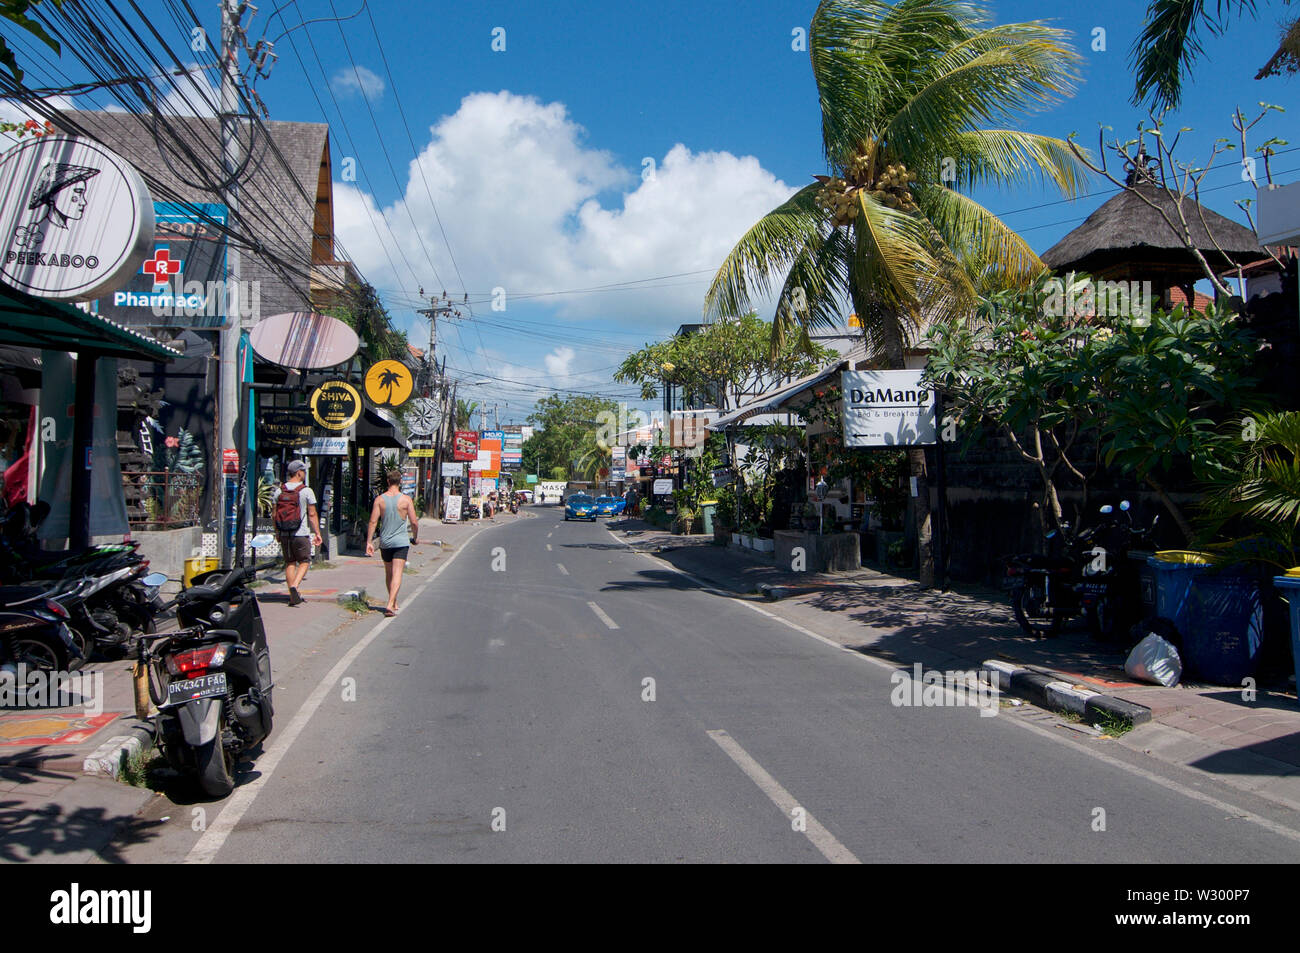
<point>393,526</point>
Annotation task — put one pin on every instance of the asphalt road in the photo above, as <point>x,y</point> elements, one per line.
<point>502,716</point>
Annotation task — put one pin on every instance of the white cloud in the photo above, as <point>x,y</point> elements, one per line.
<point>525,202</point>
<point>559,361</point>
<point>350,81</point>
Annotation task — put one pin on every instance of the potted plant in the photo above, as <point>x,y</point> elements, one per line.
<point>685,520</point>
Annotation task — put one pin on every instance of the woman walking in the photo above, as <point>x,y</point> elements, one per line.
<point>393,513</point>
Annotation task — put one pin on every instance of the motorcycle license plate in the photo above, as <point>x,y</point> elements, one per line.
<point>1093,588</point>
<point>185,690</point>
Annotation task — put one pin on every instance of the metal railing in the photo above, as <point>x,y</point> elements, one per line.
<point>163,499</point>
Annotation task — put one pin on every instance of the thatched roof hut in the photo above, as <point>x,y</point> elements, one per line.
<point>1129,240</point>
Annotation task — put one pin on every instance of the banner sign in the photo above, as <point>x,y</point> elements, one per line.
<point>465,445</point>
<point>336,405</point>
<point>76,219</point>
<point>422,452</point>
<point>58,397</point>
<point>328,447</point>
<point>285,427</point>
<point>451,510</point>
<point>182,283</point>
<point>456,470</point>
<point>887,409</point>
<point>662,487</point>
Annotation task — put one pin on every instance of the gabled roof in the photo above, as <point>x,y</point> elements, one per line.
<point>285,209</point>
<point>1127,229</point>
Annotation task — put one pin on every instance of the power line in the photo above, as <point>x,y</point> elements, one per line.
<point>379,136</point>
<point>414,150</point>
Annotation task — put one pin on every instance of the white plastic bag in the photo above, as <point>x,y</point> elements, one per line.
<point>1155,660</point>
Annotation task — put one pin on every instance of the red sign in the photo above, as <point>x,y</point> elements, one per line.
<point>229,461</point>
<point>161,266</point>
<point>465,445</point>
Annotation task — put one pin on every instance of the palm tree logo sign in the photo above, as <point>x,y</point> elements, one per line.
<point>389,383</point>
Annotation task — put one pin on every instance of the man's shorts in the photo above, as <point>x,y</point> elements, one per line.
<point>397,552</point>
<point>296,549</point>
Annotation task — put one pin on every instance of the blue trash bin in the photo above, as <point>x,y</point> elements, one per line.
<point>1219,615</point>
<point>1290,588</point>
<point>1175,571</point>
<point>1225,627</point>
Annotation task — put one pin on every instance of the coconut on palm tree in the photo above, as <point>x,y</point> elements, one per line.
<point>913,97</point>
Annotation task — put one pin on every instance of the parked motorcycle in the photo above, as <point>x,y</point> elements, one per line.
<point>211,679</point>
<point>107,590</point>
<point>1111,588</point>
<point>1085,573</point>
<point>34,631</point>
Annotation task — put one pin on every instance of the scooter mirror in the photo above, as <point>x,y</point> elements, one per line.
<point>261,541</point>
<point>155,579</point>
<point>1108,509</point>
<point>1124,505</point>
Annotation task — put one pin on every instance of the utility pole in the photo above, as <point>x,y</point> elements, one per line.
<point>434,378</point>
<point>227,409</point>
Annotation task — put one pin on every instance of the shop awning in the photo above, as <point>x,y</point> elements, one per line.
<point>775,401</point>
<point>27,321</point>
<point>377,429</point>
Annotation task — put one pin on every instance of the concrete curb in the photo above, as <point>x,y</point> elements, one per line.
<point>108,760</point>
<point>1052,692</point>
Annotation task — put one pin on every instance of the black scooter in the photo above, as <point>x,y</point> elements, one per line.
<point>211,679</point>
<point>34,631</point>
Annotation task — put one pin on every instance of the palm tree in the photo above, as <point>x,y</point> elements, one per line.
<point>907,95</point>
<point>1168,46</point>
<point>465,411</point>
<point>1252,497</point>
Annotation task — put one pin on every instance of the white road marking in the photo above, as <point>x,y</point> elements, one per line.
<point>821,838</point>
<point>1091,752</point>
<point>214,838</point>
<point>549,535</point>
<point>560,566</point>
<point>548,547</point>
<point>603,616</point>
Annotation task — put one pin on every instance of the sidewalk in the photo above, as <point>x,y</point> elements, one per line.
<point>59,802</point>
<point>1253,744</point>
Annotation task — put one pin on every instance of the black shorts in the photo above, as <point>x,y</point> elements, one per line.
<point>397,552</point>
<point>296,549</point>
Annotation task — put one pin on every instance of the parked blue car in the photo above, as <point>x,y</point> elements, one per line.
<point>580,507</point>
<point>609,505</point>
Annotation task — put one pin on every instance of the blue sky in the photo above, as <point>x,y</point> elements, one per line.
<point>537,156</point>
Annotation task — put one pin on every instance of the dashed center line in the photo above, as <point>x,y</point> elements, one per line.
<point>548,547</point>
<point>560,567</point>
<point>821,838</point>
<point>603,615</point>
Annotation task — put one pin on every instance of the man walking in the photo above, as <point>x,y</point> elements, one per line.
<point>393,512</point>
<point>297,523</point>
